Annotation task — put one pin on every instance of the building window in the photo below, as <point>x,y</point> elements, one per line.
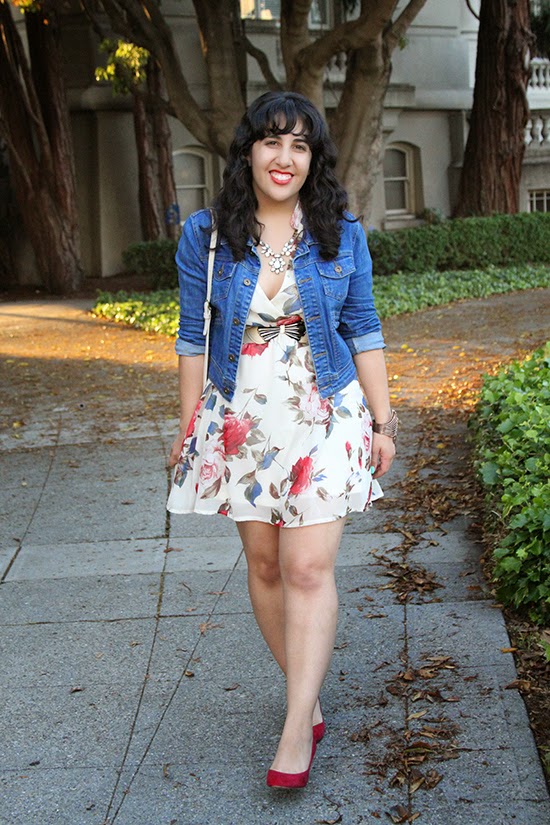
<point>193,176</point>
<point>399,180</point>
<point>539,200</point>
<point>271,10</point>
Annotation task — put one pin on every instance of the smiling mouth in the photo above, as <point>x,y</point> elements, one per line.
<point>280,177</point>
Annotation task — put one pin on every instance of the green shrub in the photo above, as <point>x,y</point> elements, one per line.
<point>151,311</point>
<point>395,294</point>
<point>512,433</point>
<point>463,243</point>
<point>153,258</point>
<point>408,292</point>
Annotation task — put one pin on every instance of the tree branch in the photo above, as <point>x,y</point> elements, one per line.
<point>469,4</point>
<point>262,60</point>
<point>141,22</point>
<point>353,34</point>
<point>397,30</point>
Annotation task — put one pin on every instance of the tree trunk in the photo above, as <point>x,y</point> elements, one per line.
<point>151,224</point>
<point>357,123</point>
<point>356,126</point>
<point>222,38</point>
<point>163,151</point>
<point>493,157</point>
<point>35,127</point>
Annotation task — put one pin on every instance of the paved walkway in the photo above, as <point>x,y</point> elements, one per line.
<point>135,687</point>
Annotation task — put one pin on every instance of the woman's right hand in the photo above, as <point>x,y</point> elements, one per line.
<point>175,449</point>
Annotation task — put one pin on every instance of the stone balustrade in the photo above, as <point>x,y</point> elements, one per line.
<point>537,131</point>
<point>540,75</point>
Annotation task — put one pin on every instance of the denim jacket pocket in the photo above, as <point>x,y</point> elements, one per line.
<point>221,280</point>
<point>335,276</point>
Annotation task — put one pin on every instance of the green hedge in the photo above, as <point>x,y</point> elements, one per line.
<point>512,436</point>
<point>153,258</point>
<point>463,243</point>
<point>466,243</point>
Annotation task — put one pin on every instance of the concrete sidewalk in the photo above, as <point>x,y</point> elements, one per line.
<point>136,687</point>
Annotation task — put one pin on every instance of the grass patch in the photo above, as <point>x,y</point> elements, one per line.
<point>394,294</point>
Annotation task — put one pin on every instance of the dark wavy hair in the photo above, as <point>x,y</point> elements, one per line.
<point>322,198</point>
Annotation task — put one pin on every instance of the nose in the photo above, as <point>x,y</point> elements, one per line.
<point>284,157</point>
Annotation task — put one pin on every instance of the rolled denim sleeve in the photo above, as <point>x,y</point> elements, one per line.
<point>192,274</point>
<point>360,325</point>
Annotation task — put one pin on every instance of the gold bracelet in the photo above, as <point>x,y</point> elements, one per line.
<point>388,428</point>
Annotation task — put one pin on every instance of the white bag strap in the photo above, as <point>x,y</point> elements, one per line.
<point>207,311</point>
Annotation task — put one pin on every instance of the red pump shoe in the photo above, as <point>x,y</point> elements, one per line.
<point>279,779</point>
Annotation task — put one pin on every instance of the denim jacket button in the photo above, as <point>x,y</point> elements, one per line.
<point>231,357</point>
<point>236,322</point>
<point>337,268</point>
<point>246,282</point>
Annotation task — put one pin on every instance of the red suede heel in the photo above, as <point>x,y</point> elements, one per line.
<point>279,779</point>
<point>319,729</point>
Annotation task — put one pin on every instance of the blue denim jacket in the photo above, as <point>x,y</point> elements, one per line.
<point>336,298</point>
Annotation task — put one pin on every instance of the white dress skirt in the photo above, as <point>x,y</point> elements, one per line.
<point>278,452</point>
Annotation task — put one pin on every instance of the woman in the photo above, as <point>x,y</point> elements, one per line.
<point>280,439</point>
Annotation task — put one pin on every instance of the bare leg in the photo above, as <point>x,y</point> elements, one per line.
<point>261,547</point>
<point>306,558</point>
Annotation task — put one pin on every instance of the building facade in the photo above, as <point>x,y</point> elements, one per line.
<point>425,124</point>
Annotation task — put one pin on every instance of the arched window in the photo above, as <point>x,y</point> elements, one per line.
<point>193,173</point>
<point>399,179</point>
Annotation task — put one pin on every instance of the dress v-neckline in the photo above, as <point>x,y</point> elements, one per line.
<point>266,296</point>
<point>282,286</point>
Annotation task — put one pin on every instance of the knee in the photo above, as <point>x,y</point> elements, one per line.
<point>305,575</point>
<point>265,568</point>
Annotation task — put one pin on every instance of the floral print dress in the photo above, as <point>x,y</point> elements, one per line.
<point>278,452</point>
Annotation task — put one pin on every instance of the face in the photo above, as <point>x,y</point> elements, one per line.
<point>280,164</point>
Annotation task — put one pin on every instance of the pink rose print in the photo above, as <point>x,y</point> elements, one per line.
<point>253,349</point>
<point>301,475</point>
<point>212,466</point>
<point>348,449</point>
<point>314,407</point>
<point>191,425</point>
<point>235,432</point>
<point>366,427</point>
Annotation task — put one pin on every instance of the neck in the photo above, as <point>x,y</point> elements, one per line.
<point>278,212</point>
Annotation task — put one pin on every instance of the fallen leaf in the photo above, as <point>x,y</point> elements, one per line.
<point>418,715</point>
<point>398,814</point>
<point>508,649</point>
<point>519,684</point>
<point>232,687</point>
<point>76,690</point>
<point>189,674</point>
<point>204,626</point>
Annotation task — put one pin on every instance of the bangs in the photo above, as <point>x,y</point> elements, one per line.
<point>281,117</point>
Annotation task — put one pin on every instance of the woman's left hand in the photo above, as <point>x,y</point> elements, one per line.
<point>383,453</point>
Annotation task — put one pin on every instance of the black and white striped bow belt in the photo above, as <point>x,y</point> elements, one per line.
<point>294,329</point>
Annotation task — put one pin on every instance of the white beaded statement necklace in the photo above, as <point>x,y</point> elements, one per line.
<point>276,260</point>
